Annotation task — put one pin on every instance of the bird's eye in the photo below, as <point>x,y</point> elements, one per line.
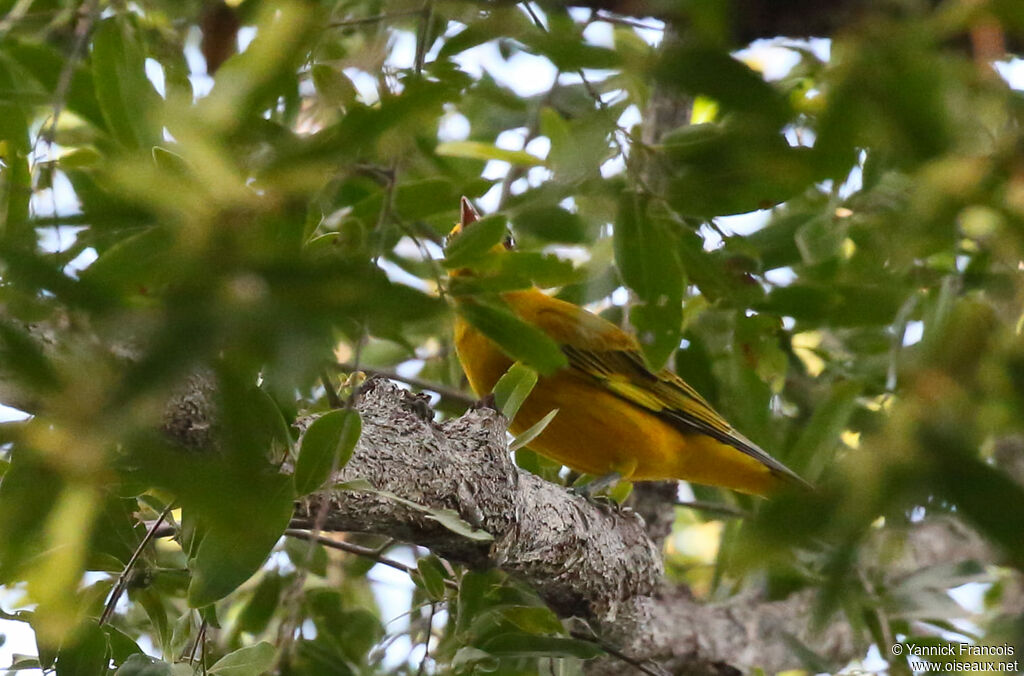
<point>509,242</point>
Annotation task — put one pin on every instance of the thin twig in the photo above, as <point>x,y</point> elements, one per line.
<point>87,12</point>
<point>286,630</point>
<point>14,15</point>
<point>122,579</point>
<point>445,392</point>
<point>358,550</point>
<point>423,34</point>
<point>426,641</point>
<point>619,655</point>
<point>200,636</point>
<point>333,399</point>
<point>593,93</point>
<point>716,507</point>
<point>373,19</point>
<point>632,23</point>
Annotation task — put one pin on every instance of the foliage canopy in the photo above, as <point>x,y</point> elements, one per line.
<point>289,212</point>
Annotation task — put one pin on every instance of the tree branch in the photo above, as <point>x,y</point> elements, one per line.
<point>584,559</point>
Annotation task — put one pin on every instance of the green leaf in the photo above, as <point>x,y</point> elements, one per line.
<point>24,360</point>
<point>820,238</point>
<point>122,647</point>
<point>26,500</point>
<point>529,435</point>
<point>475,240</point>
<point>260,607</point>
<point>732,168</point>
<point>15,176</point>
<point>135,264</point>
<point>333,85</point>
<point>125,94</point>
<point>716,74</point>
<point>432,575</point>
<point>475,150</point>
<point>251,661</point>
<point>816,446</point>
<point>513,388</point>
<point>308,555</point>
<point>519,340</point>
<point>476,659</point>
<point>533,619</point>
<point>252,81</point>
<point>570,53</point>
<point>219,494</point>
<point>552,223</point>
<point>326,446</point>
<point>47,65</point>
<point>349,633</point>
<point>227,555</point>
<point>182,632</point>
<point>835,304</point>
<point>647,253</point>
<point>143,665</point>
<point>448,518</point>
<point>530,645</point>
<point>86,654</point>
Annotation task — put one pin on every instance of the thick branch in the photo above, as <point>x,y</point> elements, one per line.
<point>585,560</point>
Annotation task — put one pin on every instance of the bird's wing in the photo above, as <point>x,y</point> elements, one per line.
<point>601,350</point>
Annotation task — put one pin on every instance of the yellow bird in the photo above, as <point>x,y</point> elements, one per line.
<point>615,417</point>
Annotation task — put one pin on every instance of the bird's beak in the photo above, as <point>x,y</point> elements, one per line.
<point>469,213</point>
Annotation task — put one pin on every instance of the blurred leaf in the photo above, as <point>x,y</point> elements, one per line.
<point>26,500</point>
<point>87,653</point>
<point>349,633</point>
<point>217,496</point>
<point>46,64</point>
<point>327,445</point>
<point>333,85</point>
<point>15,176</point>
<point>835,304</point>
<point>309,555</point>
<point>820,239</point>
<point>481,151</point>
<point>126,97</point>
<point>552,224</point>
<point>984,495</point>
<point>251,661</point>
<point>25,361</point>
<point>721,169</point>
<point>570,54</point>
<point>250,81</point>
<point>135,264</point>
<point>143,665</point>
<point>259,609</point>
<point>816,446</point>
<point>530,645</point>
<point>716,74</point>
<point>533,619</point>
<point>646,253</point>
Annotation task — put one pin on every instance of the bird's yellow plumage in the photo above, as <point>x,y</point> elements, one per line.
<point>614,415</point>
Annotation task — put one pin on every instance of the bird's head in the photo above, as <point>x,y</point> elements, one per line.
<point>468,217</point>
